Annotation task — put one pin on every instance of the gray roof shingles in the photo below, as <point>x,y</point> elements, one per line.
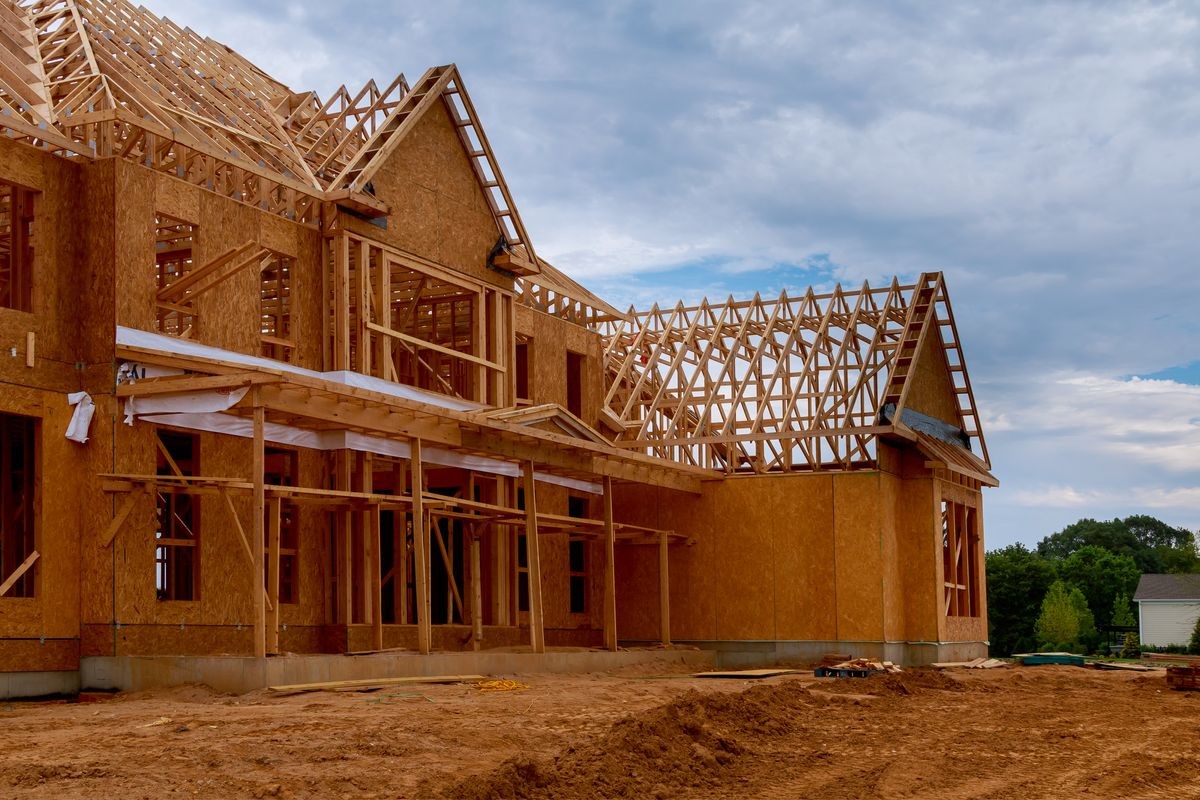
<point>1168,587</point>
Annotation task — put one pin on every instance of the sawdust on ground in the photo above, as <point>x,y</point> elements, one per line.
<point>1021,732</point>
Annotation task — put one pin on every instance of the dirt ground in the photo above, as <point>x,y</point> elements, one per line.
<point>1017,732</point>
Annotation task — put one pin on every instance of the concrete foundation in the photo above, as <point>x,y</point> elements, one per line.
<point>735,654</point>
<point>239,674</point>
<point>37,684</point>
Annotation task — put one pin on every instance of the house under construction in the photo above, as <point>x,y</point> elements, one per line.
<point>285,374</point>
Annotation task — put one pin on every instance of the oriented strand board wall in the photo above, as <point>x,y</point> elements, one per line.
<point>227,316</point>
<point>41,632</point>
<point>551,339</point>
<point>840,556</point>
<point>932,390</point>
<point>438,211</point>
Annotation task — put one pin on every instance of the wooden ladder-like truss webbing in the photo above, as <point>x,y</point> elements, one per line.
<point>784,384</point>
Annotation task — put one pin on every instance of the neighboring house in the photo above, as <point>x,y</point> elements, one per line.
<point>1168,606</point>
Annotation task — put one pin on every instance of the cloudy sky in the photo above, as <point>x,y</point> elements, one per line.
<point>1044,156</point>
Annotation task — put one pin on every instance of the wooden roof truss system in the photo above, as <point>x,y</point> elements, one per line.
<point>98,78</point>
<point>795,383</point>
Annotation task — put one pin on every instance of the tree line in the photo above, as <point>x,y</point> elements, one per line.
<point>1055,596</point>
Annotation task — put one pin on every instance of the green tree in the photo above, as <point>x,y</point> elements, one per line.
<point>1122,612</point>
<point>1101,575</point>
<point>1194,646</point>
<point>1058,624</point>
<point>1016,582</point>
<point>1088,639</point>
<point>1154,545</point>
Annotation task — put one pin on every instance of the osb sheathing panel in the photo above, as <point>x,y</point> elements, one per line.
<point>804,559</point>
<point>552,338</point>
<point>60,212</point>
<point>856,515</point>
<point>789,557</point>
<point>918,544</point>
<point>438,211</point>
<point>894,567</point>
<point>96,273</point>
<point>35,655</point>
<point>228,315</point>
<point>932,389</point>
<point>54,610</point>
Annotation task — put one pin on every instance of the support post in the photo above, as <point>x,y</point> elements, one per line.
<point>610,570</point>
<point>420,550</point>
<point>664,590</point>
<point>375,532</point>
<point>273,532</point>
<point>476,594</point>
<point>537,636</point>
<point>257,515</point>
<point>345,543</point>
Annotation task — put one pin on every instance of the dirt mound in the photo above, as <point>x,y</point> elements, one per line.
<point>689,743</point>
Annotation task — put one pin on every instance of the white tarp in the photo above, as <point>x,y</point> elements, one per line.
<point>81,419</point>
<point>131,337</point>
<point>276,433</point>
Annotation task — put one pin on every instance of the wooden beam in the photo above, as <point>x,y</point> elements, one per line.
<point>610,570</point>
<point>664,591</point>
<point>476,594</point>
<point>537,637</point>
<point>273,532</point>
<point>420,549</point>
<point>18,572</point>
<point>122,514</point>
<point>258,512</point>
<point>375,531</point>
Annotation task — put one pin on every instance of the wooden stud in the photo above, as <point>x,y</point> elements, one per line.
<point>537,637</point>
<point>610,570</point>
<point>258,513</point>
<point>273,532</point>
<point>664,591</point>
<point>420,548</point>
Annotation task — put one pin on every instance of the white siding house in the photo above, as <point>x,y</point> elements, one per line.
<point>1168,606</point>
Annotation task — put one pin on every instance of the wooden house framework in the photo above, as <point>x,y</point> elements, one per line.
<point>346,374</point>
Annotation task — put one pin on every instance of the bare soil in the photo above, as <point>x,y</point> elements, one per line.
<point>1019,732</point>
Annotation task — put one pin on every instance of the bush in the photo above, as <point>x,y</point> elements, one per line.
<point>1131,648</point>
<point>1194,647</point>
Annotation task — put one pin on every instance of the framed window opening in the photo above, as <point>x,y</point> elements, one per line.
<point>577,558</point>
<point>174,242</point>
<point>960,559</point>
<point>575,383</point>
<point>177,513</point>
<point>281,468</point>
<point>17,205</point>
<point>18,504</point>
<point>275,307</point>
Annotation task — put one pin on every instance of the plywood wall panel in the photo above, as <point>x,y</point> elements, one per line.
<point>932,390</point>
<point>803,544</point>
<point>856,533</point>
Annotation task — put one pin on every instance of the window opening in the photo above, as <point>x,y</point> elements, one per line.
<point>275,307</point>
<point>174,240</point>
<point>16,247</point>
<point>18,483</point>
<point>176,554</point>
<point>280,469</point>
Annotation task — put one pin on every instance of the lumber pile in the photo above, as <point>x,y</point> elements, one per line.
<point>1184,678</point>
<point>976,663</point>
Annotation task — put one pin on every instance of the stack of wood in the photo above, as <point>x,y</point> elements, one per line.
<point>867,664</point>
<point>976,663</point>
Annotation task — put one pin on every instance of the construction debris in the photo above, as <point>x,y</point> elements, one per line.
<point>856,668</point>
<point>502,685</point>
<point>1184,678</point>
<point>976,663</point>
<point>372,683</point>
<point>747,674</point>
